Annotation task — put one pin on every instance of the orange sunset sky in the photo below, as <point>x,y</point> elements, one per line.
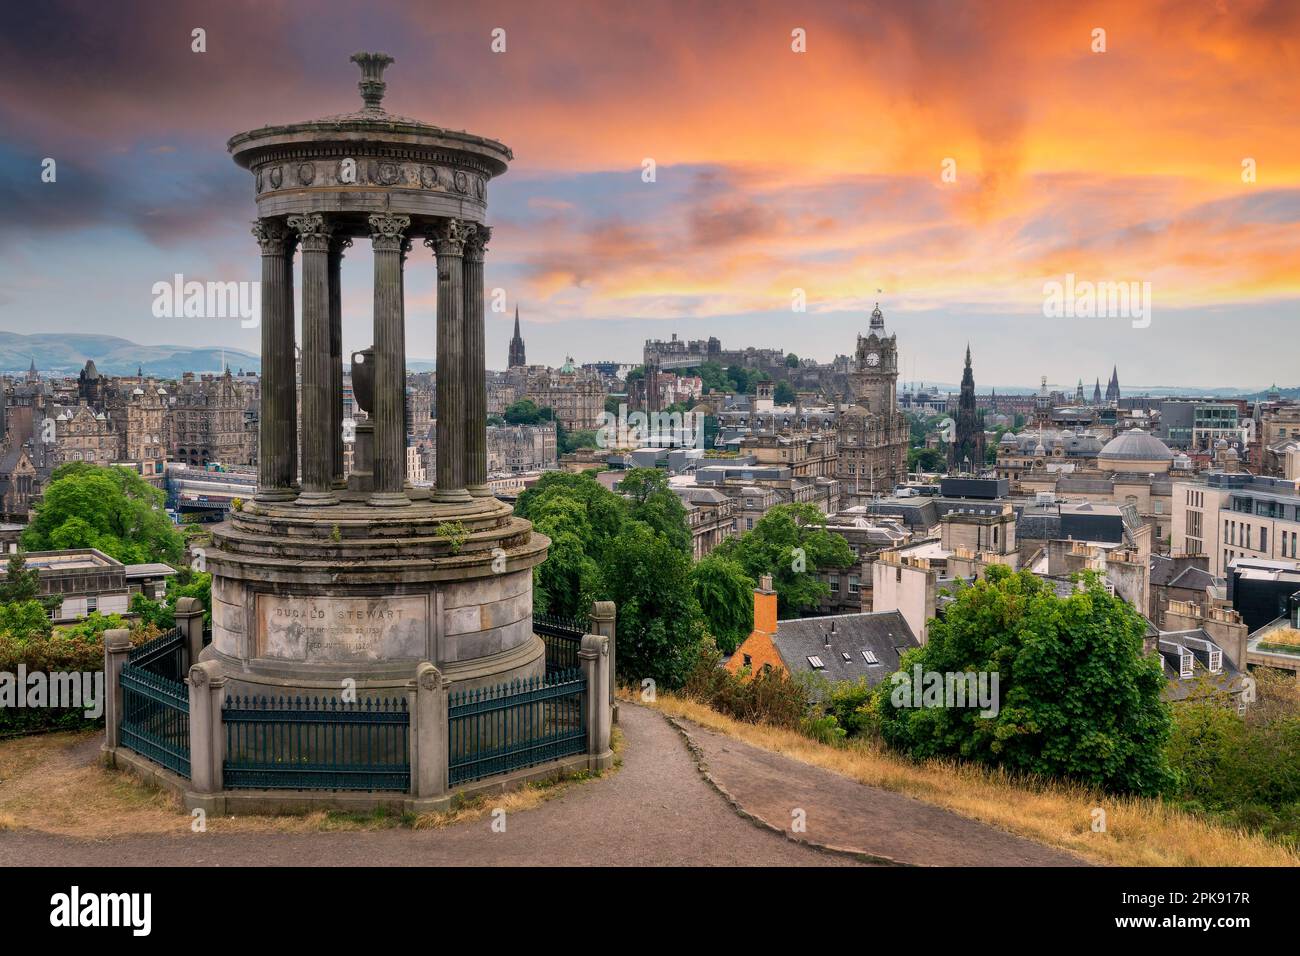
<point>775,170</point>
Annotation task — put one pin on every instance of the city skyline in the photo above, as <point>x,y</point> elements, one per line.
<point>820,171</point>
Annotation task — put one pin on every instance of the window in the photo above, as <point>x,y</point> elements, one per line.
<point>1216,661</point>
<point>870,657</point>
<point>853,584</point>
<point>816,662</point>
<point>847,658</point>
<point>1185,664</point>
<point>749,661</point>
<point>92,604</point>
<point>1263,540</point>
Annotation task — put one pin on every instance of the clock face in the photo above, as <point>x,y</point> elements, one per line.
<point>873,359</point>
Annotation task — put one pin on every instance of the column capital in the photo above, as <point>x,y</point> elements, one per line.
<point>314,230</point>
<point>388,232</point>
<point>339,245</point>
<point>476,241</point>
<point>275,238</point>
<point>448,238</point>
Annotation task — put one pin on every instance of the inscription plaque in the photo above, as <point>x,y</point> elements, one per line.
<point>342,629</point>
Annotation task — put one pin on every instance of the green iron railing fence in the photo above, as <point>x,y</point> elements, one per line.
<point>518,724</point>
<point>164,656</point>
<point>316,744</point>
<point>563,639</point>
<point>156,718</point>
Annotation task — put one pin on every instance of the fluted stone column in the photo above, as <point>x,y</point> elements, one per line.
<point>448,242</point>
<point>475,371</point>
<point>337,248</point>
<point>277,437</point>
<point>314,233</point>
<point>387,238</point>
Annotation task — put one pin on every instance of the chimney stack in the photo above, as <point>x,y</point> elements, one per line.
<point>765,606</point>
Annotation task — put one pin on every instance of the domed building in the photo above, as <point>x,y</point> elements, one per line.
<point>1137,451</point>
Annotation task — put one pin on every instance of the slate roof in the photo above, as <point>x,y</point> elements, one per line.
<point>1171,645</point>
<point>884,633</point>
<point>1195,579</point>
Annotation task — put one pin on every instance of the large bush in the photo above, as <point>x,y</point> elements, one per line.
<point>112,509</point>
<point>1077,697</point>
<point>1245,771</point>
<point>79,648</point>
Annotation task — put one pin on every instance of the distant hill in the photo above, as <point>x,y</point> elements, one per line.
<point>66,353</point>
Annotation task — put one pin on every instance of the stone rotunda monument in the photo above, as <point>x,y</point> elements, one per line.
<point>317,579</point>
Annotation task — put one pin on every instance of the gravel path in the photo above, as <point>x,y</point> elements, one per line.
<point>657,810</point>
<point>842,813</point>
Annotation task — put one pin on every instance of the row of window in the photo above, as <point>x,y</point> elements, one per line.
<point>817,663</point>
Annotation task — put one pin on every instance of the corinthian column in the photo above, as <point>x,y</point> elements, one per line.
<point>314,232</point>
<point>337,247</point>
<point>475,372</point>
<point>448,242</point>
<point>277,452</point>
<point>387,238</point>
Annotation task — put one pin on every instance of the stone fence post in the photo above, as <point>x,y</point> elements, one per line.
<point>207,740</point>
<point>428,746</point>
<point>117,645</point>
<point>595,660</point>
<point>189,619</point>
<point>603,622</point>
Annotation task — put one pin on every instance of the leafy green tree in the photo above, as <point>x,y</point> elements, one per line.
<point>742,380</point>
<point>713,376</point>
<point>725,594</point>
<point>569,442</point>
<point>112,509</point>
<point>650,499</point>
<point>792,544</point>
<point>20,582</point>
<point>526,412</point>
<point>659,621</point>
<point>24,619</point>
<point>783,394</point>
<point>581,517</point>
<point>792,361</point>
<point>926,459</point>
<point>612,403</point>
<point>1077,698</point>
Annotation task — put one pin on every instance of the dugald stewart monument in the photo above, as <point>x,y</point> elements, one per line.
<point>317,580</point>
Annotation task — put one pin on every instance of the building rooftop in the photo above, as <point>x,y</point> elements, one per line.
<point>839,643</point>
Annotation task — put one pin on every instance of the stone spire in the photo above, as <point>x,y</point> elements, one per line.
<point>516,359</point>
<point>1096,393</point>
<point>877,320</point>
<point>966,453</point>
<point>1112,390</point>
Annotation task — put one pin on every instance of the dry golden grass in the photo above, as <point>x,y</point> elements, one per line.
<point>1283,636</point>
<point>1139,832</point>
<point>53,783</point>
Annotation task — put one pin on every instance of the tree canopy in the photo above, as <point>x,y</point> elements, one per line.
<point>112,509</point>
<point>792,544</point>
<point>1077,698</point>
<point>725,594</point>
<point>632,550</point>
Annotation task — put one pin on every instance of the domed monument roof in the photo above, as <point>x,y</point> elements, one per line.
<point>1136,445</point>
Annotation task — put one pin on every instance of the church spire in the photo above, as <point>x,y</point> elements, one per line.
<point>516,358</point>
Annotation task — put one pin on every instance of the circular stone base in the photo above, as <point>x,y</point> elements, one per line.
<point>305,598</point>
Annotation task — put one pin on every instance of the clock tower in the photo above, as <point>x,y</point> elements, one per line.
<point>872,433</point>
<point>874,380</point>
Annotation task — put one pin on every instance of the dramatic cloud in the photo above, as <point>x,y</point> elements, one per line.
<point>775,171</point>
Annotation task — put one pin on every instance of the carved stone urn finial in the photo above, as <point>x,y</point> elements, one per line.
<point>372,78</point>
